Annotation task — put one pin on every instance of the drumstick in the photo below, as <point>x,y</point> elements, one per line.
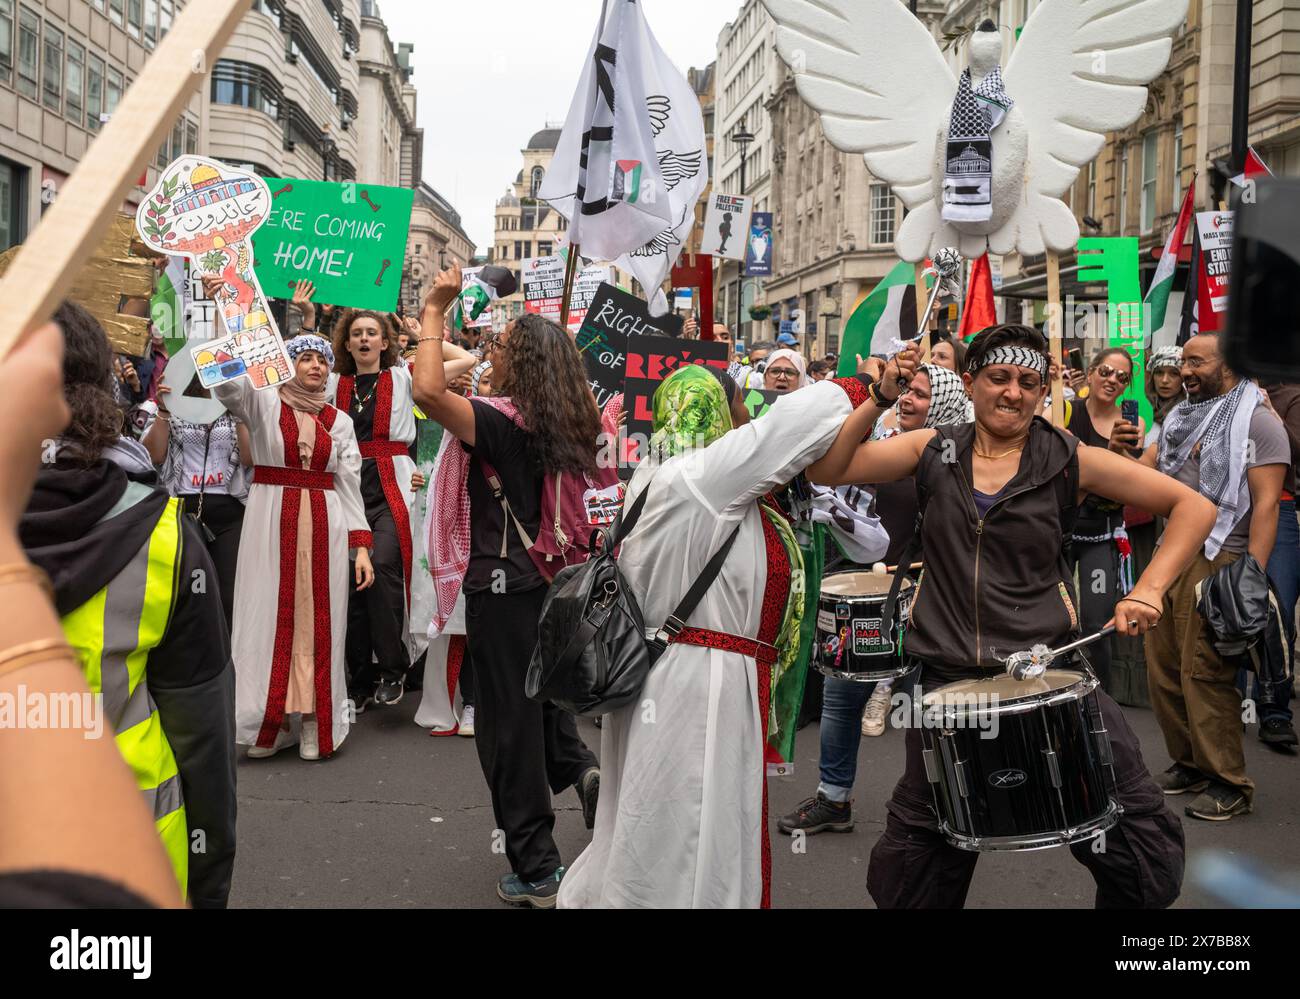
<point>914,565</point>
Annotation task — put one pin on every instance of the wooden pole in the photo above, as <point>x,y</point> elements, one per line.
<point>75,224</point>
<point>570,267</point>
<point>1054,335</point>
<point>922,319</point>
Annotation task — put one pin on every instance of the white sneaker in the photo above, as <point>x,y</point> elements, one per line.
<point>467,722</point>
<point>873,718</point>
<point>309,747</point>
<point>283,739</point>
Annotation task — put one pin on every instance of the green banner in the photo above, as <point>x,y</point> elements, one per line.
<point>1114,260</point>
<point>348,239</point>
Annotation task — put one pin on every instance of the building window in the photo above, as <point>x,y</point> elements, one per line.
<point>75,80</point>
<point>29,30</point>
<point>166,11</point>
<point>1123,189</point>
<point>538,174</point>
<point>115,11</point>
<point>1148,203</point>
<point>53,79</point>
<point>192,139</point>
<point>113,90</point>
<point>882,214</point>
<point>1178,165</point>
<point>1092,189</point>
<point>6,39</point>
<point>245,85</point>
<point>94,92</point>
<point>134,16</point>
<point>11,204</point>
<point>150,23</point>
<point>544,248</point>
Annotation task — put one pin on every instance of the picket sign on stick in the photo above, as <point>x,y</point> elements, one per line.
<point>922,319</point>
<point>1054,335</point>
<point>570,269</point>
<point>40,276</point>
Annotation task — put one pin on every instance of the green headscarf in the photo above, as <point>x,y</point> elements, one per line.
<point>690,411</point>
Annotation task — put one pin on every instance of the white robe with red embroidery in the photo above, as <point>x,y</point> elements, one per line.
<point>680,822</point>
<point>265,578</point>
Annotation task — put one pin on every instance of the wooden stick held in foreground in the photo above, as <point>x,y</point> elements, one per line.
<point>66,235</point>
<point>570,268</point>
<point>1054,335</point>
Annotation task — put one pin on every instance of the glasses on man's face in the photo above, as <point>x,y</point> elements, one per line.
<point>1106,371</point>
<point>1196,363</point>
<point>784,374</point>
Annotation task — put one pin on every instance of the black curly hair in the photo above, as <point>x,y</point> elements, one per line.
<point>546,380</point>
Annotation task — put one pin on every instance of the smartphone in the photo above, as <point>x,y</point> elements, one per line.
<point>1129,411</point>
<point>1076,359</point>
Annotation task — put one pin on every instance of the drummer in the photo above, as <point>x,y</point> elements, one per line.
<point>995,506</point>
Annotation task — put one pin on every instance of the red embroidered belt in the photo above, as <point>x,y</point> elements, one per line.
<point>765,654</point>
<point>292,478</point>
<point>384,449</point>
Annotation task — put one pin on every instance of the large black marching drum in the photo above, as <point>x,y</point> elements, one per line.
<point>851,641</point>
<point>1019,764</point>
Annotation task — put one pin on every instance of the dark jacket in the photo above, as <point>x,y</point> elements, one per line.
<point>999,585</point>
<point>82,526</point>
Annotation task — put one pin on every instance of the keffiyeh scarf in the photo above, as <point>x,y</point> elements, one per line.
<point>1221,427</point>
<point>447,525</point>
<point>968,170</point>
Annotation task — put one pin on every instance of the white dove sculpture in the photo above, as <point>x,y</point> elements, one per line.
<point>882,88</point>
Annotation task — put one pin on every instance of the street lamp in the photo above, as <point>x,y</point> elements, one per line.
<point>741,137</point>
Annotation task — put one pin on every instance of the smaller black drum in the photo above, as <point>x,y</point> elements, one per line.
<point>851,643</point>
<point>1019,764</point>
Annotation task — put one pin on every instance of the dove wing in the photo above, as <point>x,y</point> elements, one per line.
<point>677,167</point>
<point>878,80</point>
<point>1080,70</point>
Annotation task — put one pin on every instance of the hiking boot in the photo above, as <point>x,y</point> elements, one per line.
<point>1278,733</point>
<point>588,788</point>
<point>536,894</point>
<point>1218,803</point>
<point>389,692</point>
<point>1179,779</point>
<point>818,814</point>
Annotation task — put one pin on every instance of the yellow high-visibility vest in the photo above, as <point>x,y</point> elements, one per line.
<point>113,633</point>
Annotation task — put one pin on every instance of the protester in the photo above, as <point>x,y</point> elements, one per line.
<point>1100,552</point>
<point>113,543</point>
<point>304,514</point>
<point>820,370</point>
<point>542,418</point>
<point>1164,387</point>
<point>75,833</point>
<point>950,353</point>
<point>682,816</point>
<point>996,510</point>
<point>934,397</point>
<point>1224,441</point>
<point>785,372</point>
<point>206,465</point>
<point>1275,719</point>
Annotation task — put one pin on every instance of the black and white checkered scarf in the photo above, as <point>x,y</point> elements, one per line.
<point>968,170</point>
<point>1221,426</point>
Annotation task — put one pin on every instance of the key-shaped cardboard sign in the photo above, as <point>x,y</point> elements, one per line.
<point>208,212</point>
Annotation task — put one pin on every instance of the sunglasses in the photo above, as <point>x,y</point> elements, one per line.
<point>1106,371</point>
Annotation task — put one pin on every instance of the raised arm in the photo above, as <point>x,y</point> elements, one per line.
<point>874,462</point>
<point>429,380</point>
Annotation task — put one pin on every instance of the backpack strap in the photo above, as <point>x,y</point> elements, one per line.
<point>672,627</point>
<point>508,514</point>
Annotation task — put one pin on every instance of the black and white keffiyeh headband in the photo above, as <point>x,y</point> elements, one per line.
<point>1023,357</point>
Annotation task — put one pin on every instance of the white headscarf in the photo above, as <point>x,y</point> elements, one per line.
<point>795,358</point>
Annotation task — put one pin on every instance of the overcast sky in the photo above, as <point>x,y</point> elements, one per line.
<point>490,73</point>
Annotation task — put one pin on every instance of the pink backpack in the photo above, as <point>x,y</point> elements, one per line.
<point>575,506</point>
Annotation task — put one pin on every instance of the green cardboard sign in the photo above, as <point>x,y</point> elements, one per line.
<point>348,239</point>
<point>1114,260</point>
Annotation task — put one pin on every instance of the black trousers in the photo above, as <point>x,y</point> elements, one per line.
<point>914,867</point>
<point>527,750</point>
<point>1098,564</point>
<point>377,616</point>
<point>223,516</point>
<point>466,679</point>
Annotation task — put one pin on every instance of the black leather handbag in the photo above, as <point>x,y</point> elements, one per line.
<point>592,655</point>
<point>1241,611</point>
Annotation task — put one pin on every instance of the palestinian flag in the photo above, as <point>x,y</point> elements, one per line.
<point>1254,167</point>
<point>886,315</point>
<point>627,181</point>
<point>167,305</point>
<point>482,286</point>
<point>1162,284</point>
